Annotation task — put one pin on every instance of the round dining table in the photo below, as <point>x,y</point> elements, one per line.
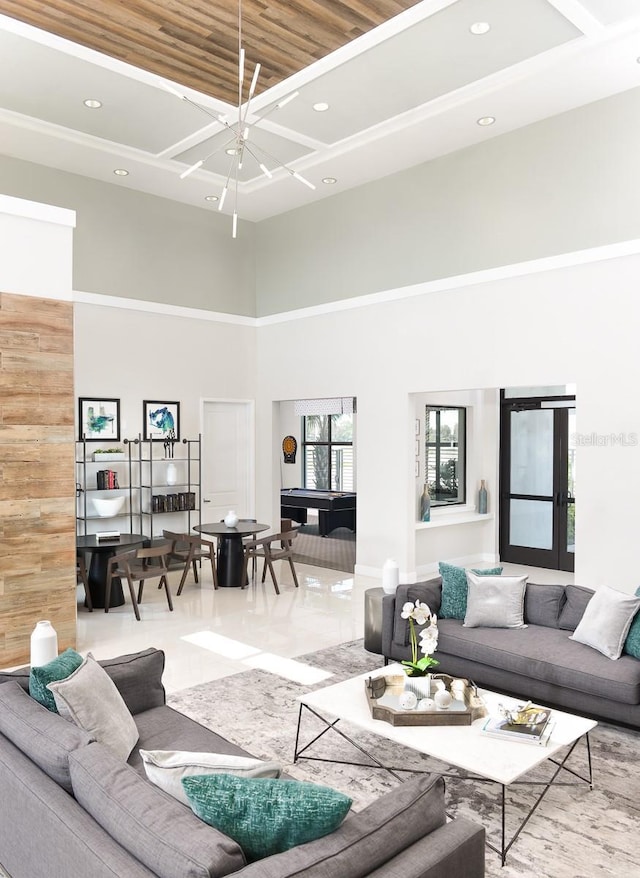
<point>231,549</point>
<point>101,551</point>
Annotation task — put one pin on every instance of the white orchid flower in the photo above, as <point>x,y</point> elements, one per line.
<point>407,610</point>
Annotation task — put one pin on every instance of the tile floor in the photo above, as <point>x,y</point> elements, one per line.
<point>212,634</point>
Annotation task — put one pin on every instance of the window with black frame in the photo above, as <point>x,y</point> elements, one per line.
<point>328,452</point>
<point>445,451</point>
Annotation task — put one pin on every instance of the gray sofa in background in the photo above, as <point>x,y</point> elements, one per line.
<point>538,662</point>
<point>69,808</point>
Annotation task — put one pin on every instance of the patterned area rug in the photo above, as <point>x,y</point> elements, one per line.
<point>576,833</point>
<point>337,551</point>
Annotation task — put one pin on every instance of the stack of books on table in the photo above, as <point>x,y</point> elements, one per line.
<point>538,731</point>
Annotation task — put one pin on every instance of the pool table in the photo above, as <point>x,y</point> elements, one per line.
<point>335,508</point>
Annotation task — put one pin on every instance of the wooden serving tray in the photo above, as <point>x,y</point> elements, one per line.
<point>383,694</point>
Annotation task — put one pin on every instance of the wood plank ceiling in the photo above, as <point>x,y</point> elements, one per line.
<point>195,42</point>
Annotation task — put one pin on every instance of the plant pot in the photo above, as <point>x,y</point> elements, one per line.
<point>422,687</point>
<point>104,457</point>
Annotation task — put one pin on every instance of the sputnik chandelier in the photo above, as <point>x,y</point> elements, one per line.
<point>239,146</point>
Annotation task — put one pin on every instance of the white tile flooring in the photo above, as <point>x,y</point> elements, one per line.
<point>212,634</point>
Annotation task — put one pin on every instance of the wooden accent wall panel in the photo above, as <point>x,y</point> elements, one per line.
<point>37,473</point>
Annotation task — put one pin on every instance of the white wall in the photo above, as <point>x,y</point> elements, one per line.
<point>290,422</point>
<point>568,325</point>
<point>36,248</point>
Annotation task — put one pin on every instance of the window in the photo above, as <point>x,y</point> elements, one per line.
<point>328,452</point>
<point>445,436</point>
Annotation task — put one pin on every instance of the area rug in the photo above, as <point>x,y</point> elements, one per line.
<point>576,833</point>
<point>337,551</point>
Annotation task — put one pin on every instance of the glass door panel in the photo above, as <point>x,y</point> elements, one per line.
<point>532,452</point>
<point>531,524</point>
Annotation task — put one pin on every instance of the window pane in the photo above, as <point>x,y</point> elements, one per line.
<point>342,428</point>
<point>316,428</point>
<point>316,467</point>
<point>342,468</point>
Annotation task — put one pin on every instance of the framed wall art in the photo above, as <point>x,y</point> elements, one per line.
<point>161,420</point>
<point>98,419</point>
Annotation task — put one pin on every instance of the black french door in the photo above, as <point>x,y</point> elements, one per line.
<point>537,482</point>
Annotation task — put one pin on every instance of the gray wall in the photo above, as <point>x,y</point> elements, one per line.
<point>566,183</point>
<point>143,247</point>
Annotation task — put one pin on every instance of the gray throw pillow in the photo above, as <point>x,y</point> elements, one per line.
<point>606,621</point>
<point>89,698</point>
<point>495,601</point>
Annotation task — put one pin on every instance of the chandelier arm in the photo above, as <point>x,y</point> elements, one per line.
<point>269,156</point>
<point>276,107</point>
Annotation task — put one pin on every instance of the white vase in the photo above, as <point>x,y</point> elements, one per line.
<point>231,519</point>
<point>390,576</point>
<point>422,687</point>
<point>172,474</point>
<point>44,644</point>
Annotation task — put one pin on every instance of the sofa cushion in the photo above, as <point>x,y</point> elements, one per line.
<point>546,654</point>
<point>429,592</point>
<point>138,678</point>
<point>632,643</point>
<point>163,728</point>
<point>88,697</point>
<point>606,621</point>
<point>543,604</point>
<point>367,840</point>
<point>57,669</point>
<point>160,832</point>
<point>166,768</point>
<point>576,599</point>
<point>495,601</point>
<point>454,589</point>
<point>46,738</point>
<point>266,816</point>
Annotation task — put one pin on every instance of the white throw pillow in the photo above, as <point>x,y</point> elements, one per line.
<point>495,601</point>
<point>166,768</point>
<point>89,698</point>
<point>606,621</point>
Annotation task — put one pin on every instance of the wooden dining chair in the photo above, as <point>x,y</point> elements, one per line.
<point>82,577</point>
<point>138,565</point>
<point>188,550</point>
<point>266,549</point>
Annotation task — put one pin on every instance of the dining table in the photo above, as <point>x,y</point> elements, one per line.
<point>101,552</point>
<point>231,548</point>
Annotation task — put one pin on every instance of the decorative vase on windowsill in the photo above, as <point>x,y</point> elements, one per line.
<point>418,670</point>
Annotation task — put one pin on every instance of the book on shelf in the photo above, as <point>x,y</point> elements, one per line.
<point>535,732</point>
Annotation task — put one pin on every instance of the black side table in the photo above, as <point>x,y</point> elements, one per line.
<point>373,620</point>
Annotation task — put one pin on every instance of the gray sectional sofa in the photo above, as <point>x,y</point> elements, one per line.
<point>69,808</point>
<point>538,662</point>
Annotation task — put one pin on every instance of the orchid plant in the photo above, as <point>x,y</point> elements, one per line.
<point>419,614</point>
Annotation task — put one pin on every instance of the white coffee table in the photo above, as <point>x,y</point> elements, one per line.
<point>465,747</point>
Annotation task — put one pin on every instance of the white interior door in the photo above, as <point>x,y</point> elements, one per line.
<point>227,459</point>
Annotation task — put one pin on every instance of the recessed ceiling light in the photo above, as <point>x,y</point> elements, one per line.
<point>232,150</point>
<point>121,172</point>
<point>210,197</point>
<point>486,120</point>
<point>479,28</point>
<point>92,103</point>
<point>329,180</point>
<point>321,107</point>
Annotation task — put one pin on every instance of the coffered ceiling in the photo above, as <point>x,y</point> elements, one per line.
<point>405,82</point>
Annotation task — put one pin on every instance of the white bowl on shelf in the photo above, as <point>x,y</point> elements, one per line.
<point>107,507</point>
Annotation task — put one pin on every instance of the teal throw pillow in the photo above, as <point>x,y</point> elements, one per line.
<point>632,643</point>
<point>454,589</point>
<point>58,669</point>
<point>265,816</point>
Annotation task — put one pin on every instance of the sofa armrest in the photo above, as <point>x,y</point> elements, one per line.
<point>456,850</point>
